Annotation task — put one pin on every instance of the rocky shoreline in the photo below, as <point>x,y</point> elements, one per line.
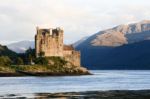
<point>20,74</point>
<point>113,94</point>
<point>42,70</point>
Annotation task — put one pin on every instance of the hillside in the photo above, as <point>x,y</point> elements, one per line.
<point>121,47</point>
<point>4,51</point>
<point>119,35</point>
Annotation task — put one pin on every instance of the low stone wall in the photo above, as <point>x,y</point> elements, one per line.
<point>73,57</point>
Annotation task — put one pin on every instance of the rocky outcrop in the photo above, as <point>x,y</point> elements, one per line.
<point>112,94</point>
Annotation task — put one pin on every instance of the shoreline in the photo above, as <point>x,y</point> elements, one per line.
<point>111,94</point>
<point>42,70</point>
<point>41,74</point>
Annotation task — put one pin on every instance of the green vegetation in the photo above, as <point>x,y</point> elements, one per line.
<point>4,51</point>
<point>5,60</point>
<point>50,65</point>
<point>41,61</point>
<point>19,61</point>
<point>57,61</point>
<point>10,62</point>
<point>6,69</point>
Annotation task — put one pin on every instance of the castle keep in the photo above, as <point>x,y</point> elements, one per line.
<point>49,42</point>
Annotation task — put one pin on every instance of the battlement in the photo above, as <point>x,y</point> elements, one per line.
<point>50,31</point>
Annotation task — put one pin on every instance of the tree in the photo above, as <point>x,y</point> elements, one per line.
<point>5,60</point>
<point>41,61</point>
<point>19,61</point>
<point>30,55</point>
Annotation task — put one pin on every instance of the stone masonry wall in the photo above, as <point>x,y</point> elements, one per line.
<point>49,43</point>
<point>73,57</point>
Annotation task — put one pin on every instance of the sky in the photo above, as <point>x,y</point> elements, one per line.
<point>78,18</point>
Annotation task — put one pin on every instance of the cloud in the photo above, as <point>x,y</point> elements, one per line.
<point>79,18</point>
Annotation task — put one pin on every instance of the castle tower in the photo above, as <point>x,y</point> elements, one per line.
<point>49,42</point>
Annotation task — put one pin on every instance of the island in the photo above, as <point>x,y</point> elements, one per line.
<point>51,57</point>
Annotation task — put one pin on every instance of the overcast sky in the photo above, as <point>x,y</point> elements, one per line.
<point>79,18</point>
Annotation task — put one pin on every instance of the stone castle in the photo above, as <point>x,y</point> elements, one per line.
<point>50,43</point>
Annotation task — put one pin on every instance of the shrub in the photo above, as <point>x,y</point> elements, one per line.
<point>5,60</point>
<point>19,61</point>
<point>41,61</point>
<point>58,61</point>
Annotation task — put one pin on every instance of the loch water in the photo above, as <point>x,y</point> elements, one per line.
<point>101,80</point>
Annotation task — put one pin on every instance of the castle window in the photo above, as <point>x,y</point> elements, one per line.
<point>41,41</point>
<point>55,32</point>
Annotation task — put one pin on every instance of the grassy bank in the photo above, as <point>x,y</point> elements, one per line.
<point>44,67</point>
<point>41,70</point>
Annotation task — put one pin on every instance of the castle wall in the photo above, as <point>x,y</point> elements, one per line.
<point>73,57</point>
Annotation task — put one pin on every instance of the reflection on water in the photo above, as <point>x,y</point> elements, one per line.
<point>101,80</point>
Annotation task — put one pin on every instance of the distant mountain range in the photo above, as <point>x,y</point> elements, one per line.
<point>122,47</point>
<point>80,41</point>
<point>21,47</point>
